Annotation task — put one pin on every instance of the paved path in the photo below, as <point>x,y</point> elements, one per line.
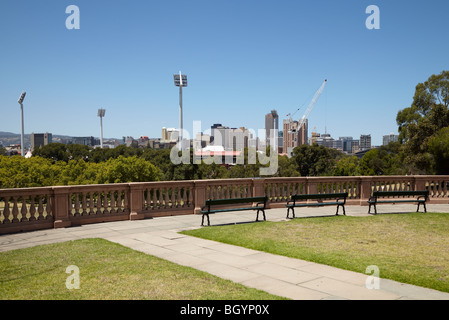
<point>287,277</point>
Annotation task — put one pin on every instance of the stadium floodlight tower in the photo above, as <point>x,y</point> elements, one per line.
<point>180,81</point>
<point>20,101</point>
<point>101,113</point>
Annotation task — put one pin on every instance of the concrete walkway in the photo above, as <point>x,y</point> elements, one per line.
<point>287,277</point>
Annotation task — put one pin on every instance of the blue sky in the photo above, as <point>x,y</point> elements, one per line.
<point>242,58</point>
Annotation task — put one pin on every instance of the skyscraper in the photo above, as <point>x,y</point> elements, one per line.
<point>365,142</point>
<point>271,123</point>
<point>293,135</point>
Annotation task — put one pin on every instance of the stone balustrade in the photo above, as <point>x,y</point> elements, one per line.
<point>29,209</point>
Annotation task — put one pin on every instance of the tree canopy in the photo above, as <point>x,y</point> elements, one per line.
<point>423,120</point>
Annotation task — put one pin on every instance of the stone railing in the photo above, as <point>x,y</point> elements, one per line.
<point>63,206</point>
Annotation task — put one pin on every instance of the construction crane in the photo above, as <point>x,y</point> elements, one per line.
<point>302,120</point>
<point>311,105</point>
<point>309,109</point>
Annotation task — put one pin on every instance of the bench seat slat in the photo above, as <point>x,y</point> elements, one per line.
<point>231,209</point>
<point>313,204</point>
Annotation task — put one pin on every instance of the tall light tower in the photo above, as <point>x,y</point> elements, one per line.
<point>101,113</point>
<point>180,81</point>
<point>20,101</point>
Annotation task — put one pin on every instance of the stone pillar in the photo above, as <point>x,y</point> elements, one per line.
<point>259,189</point>
<point>135,202</point>
<point>312,186</point>
<point>365,190</point>
<point>61,207</point>
<point>199,195</point>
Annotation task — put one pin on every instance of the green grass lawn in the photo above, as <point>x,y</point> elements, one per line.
<point>410,248</point>
<point>109,271</point>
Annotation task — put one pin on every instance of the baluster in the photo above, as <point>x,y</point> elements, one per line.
<point>99,203</point>
<point>23,210</point>
<point>48,206</point>
<point>148,199</point>
<point>77,204</point>
<point>32,209</point>
<point>15,210</point>
<point>119,202</point>
<point>166,201</point>
<point>125,202</point>
<point>217,192</point>
<point>184,197</point>
<point>160,198</point>
<point>281,192</point>
<point>91,204</point>
<point>106,202</point>
<point>84,204</point>
<point>40,209</point>
<point>190,201</point>
<point>177,197</point>
<point>154,191</point>
<point>6,211</point>
<point>172,198</point>
<point>113,204</point>
<point>445,193</point>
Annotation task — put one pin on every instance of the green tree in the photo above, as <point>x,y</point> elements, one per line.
<point>20,172</point>
<point>439,149</point>
<point>315,160</point>
<point>79,172</point>
<point>347,166</point>
<point>427,115</point>
<point>386,160</point>
<point>128,169</point>
<point>55,151</point>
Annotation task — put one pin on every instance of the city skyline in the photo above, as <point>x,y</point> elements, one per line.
<point>242,60</point>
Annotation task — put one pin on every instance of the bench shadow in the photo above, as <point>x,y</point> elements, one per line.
<point>232,223</point>
<point>317,216</point>
<point>402,212</point>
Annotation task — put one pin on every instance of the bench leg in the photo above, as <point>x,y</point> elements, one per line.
<point>424,204</point>
<point>375,209</point>
<point>293,212</point>
<point>202,220</point>
<point>263,211</point>
<point>338,206</point>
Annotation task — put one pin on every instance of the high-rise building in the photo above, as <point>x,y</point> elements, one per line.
<point>40,139</point>
<point>294,136</point>
<point>346,144</point>
<point>169,134</point>
<point>390,138</point>
<point>365,142</point>
<point>271,123</point>
<point>230,138</point>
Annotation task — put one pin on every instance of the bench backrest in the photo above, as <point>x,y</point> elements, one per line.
<point>319,196</point>
<point>235,200</point>
<point>400,193</point>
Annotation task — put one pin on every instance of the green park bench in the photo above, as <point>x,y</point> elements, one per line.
<point>401,196</point>
<point>338,199</point>
<point>261,203</point>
